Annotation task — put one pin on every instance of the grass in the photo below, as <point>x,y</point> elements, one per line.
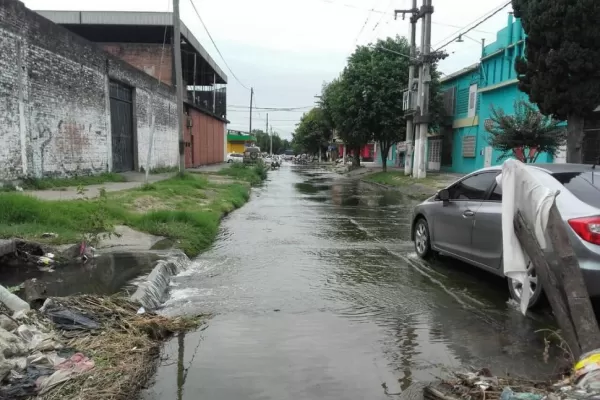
<point>54,183</point>
<point>164,170</point>
<point>419,189</point>
<point>250,173</point>
<point>185,208</point>
<point>398,179</point>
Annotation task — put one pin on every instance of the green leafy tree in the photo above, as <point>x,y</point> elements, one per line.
<point>314,132</point>
<point>341,104</point>
<point>525,134</point>
<point>561,70</point>
<point>365,102</point>
<point>263,140</point>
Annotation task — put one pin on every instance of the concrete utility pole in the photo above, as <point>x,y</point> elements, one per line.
<point>251,102</point>
<point>410,130</point>
<point>271,141</point>
<point>424,83</point>
<point>267,126</point>
<point>178,82</point>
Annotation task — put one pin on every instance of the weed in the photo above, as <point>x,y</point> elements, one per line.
<point>32,183</point>
<point>186,208</point>
<point>254,174</point>
<point>164,170</point>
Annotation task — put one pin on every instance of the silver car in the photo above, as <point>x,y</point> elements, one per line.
<point>463,221</point>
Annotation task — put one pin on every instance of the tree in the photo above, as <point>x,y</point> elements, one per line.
<point>526,134</point>
<point>365,102</point>
<point>314,132</point>
<point>341,104</point>
<point>561,70</point>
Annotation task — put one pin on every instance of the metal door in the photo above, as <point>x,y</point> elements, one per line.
<point>487,156</point>
<point>435,156</point>
<point>121,119</point>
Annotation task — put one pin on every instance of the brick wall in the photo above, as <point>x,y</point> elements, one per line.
<point>55,109</point>
<point>153,59</point>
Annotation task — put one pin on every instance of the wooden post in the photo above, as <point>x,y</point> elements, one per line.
<point>569,274</point>
<point>549,282</point>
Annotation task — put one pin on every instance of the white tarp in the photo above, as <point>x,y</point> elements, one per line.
<point>522,191</point>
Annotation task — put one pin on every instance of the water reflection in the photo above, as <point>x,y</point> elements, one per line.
<point>356,308</point>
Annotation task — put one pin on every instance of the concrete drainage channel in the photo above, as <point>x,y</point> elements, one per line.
<point>152,292</point>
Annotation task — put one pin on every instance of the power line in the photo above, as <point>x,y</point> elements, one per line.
<point>302,108</point>
<point>476,25</point>
<point>485,17</point>
<point>216,47</point>
<point>392,14</point>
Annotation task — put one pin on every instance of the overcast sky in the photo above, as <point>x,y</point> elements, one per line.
<point>286,49</point>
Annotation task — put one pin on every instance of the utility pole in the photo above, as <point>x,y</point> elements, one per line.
<point>424,83</point>
<point>271,141</point>
<point>178,82</point>
<point>410,130</point>
<point>251,102</point>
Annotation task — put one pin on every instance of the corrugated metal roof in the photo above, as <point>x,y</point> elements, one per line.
<point>130,18</point>
<point>460,72</point>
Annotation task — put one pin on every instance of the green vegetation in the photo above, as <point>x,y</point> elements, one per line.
<point>397,178</point>
<point>185,208</point>
<point>250,173</point>
<point>416,188</point>
<point>164,170</point>
<point>54,183</point>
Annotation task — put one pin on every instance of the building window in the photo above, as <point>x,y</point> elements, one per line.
<point>472,101</point>
<point>462,101</point>
<point>468,146</point>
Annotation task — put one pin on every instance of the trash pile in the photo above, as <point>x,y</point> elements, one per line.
<point>582,383</point>
<point>483,385</point>
<point>83,347</point>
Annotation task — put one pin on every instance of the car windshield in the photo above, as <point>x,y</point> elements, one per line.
<point>584,185</point>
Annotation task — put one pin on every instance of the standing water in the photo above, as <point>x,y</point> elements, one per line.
<point>317,294</point>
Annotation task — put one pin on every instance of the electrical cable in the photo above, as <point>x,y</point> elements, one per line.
<point>216,47</point>
<point>486,17</point>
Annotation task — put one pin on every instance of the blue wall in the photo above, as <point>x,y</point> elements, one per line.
<point>496,79</point>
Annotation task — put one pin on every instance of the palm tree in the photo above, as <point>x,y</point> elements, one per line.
<point>525,134</point>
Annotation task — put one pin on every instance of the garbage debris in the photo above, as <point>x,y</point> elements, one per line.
<point>49,235</point>
<point>39,361</point>
<point>508,394</point>
<point>12,301</point>
<point>69,320</point>
<point>483,385</point>
<point>76,365</point>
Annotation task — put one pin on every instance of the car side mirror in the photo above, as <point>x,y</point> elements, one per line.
<point>444,195</point>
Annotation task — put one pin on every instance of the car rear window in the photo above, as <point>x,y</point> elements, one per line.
<point>584,185</point>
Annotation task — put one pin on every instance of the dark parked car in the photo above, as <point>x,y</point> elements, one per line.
<point>252,155</point>
<point>464,221</point>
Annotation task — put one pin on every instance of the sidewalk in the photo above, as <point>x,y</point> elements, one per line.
<point>134,180</point>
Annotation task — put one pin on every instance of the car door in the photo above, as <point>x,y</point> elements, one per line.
<point>453,222</point>
<point>486,242</point>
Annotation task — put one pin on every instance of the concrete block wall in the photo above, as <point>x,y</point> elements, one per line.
<point>55,109</point>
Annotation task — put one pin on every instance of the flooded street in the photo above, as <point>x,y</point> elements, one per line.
<point>317,294</point>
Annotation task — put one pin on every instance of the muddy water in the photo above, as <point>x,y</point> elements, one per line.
<point>318,295</point>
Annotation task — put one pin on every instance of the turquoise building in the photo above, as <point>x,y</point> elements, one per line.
<point>469,95</point>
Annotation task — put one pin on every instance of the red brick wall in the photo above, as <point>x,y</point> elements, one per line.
<point>145,57</point>
<point>207,139</point>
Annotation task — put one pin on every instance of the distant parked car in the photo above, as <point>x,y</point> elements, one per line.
<point>235,158</point>
<point>251,155</point>
<point>464,221</point>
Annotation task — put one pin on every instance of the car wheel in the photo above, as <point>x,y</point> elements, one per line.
<point>536,292</point>
<point>422,238</point>
<point>228,161</point>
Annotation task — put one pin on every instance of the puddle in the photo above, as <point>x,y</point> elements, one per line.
<point>108,274</point>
